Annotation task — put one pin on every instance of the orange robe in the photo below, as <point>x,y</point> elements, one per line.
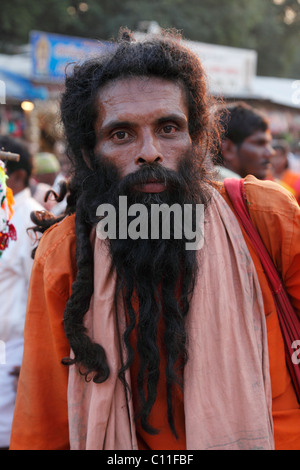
<point>41,415</point>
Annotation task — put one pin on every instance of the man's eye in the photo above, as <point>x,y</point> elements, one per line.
<point>120,135</point>
<point>169,129</point>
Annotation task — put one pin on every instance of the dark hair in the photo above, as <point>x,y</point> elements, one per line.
<point>8,144</point>
<point>240,120</point>
<point>163,57</point>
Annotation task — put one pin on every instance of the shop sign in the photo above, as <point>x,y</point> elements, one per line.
<point>52,53</point>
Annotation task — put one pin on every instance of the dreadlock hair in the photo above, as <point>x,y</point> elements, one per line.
<point>164,57</point>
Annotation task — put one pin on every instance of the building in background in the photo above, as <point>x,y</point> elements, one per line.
<point>37,77</point>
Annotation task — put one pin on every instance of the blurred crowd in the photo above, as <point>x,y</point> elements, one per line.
<point>34,180</point>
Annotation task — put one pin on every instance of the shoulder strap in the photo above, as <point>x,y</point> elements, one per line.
<point>236,192</point>
<point>289,321</point>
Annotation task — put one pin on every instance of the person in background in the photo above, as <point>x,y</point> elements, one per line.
<point>46,168</point>
<point>294,157</point>
<point>15,270</point>
<point>281,171</point>
<point>64,161</point>
<point>63,176</point>
<point>246,146</point>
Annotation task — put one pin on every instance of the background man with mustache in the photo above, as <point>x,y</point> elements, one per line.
<point>142,344</point>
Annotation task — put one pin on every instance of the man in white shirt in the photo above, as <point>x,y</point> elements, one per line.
<point>15,271</point>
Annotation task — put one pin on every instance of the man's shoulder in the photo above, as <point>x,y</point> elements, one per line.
<point>264,195</point>
<point>269,196</point>
<point>58,240</point>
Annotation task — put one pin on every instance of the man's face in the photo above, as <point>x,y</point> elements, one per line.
<point>279,162</point>
<point>254,155</point>
<point>142,121</point>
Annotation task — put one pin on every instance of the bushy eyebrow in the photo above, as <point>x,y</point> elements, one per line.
<point>180,119</point>
<point>114,124</point>
<point>111,125</point>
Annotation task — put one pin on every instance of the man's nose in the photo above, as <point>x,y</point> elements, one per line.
<point>149,151</point>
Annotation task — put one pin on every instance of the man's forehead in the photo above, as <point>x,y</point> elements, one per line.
<point>131,89</point>
<point>139,99</point>
<point>141,82</point>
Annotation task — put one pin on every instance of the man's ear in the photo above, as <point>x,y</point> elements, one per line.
<point>231,156</point>
<point>228,150</point>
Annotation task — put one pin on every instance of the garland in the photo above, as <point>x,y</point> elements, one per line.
<point>7,230</point>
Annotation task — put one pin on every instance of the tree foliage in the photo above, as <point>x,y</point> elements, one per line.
<point>271,27</point>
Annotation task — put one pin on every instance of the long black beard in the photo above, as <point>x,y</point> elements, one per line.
<point>157,275</point>
<point>148,271</point>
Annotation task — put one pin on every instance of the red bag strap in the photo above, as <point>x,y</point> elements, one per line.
<point>236,191</point>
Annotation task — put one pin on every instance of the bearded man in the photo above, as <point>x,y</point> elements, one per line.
<point>136,343</point>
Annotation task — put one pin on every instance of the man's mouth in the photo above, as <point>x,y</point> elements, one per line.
<point>151,186</point>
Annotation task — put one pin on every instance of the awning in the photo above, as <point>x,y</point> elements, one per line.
<point>14,86</point>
